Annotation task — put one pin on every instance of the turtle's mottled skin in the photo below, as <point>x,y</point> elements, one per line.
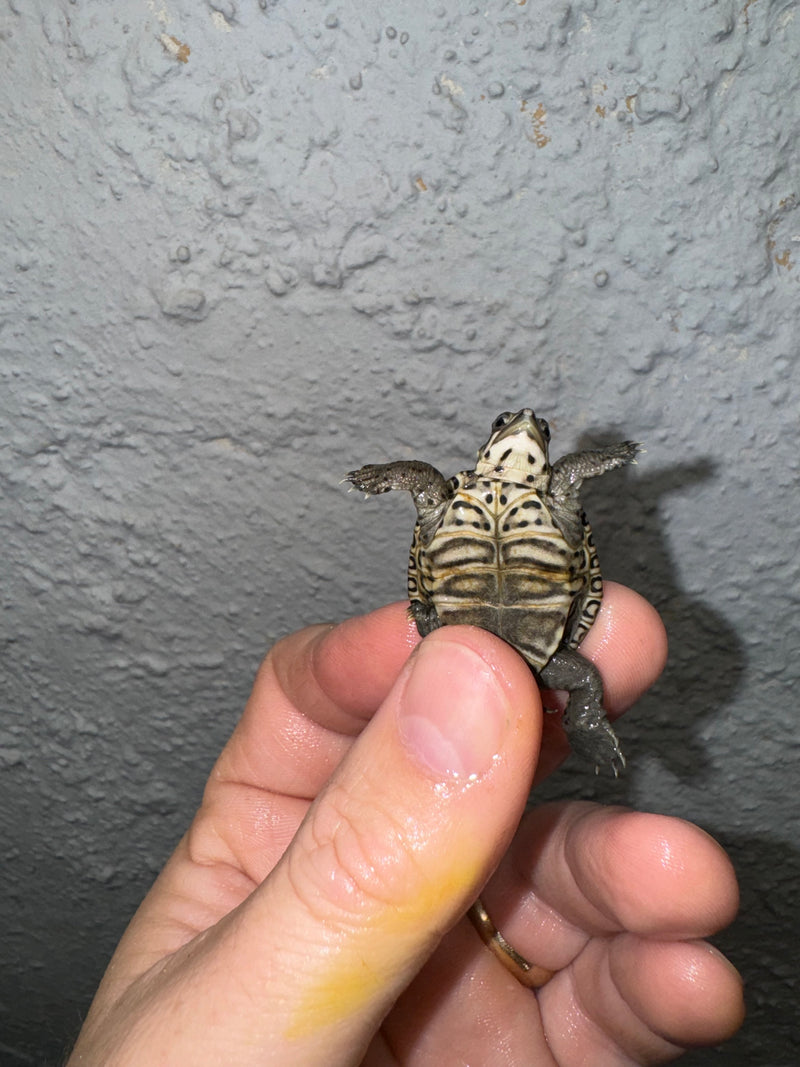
<point>507,547</point>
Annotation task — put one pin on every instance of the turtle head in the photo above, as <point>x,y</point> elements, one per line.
<point>517,450</point>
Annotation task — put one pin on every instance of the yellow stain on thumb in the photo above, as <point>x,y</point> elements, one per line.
<point>364,966</point>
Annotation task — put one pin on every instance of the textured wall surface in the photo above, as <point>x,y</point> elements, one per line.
<point>247,246</point>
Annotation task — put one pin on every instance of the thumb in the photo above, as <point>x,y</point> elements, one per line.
<point>391,853</point>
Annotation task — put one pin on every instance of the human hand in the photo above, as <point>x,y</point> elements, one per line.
<point>314,912</point>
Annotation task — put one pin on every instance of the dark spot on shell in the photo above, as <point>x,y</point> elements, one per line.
<point>503,498</point>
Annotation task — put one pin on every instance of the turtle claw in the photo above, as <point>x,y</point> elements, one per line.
<point>617,763</point>
<point>367,479</point>
<point>592,738</point>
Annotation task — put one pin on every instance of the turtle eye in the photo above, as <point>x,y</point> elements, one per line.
<point>501,420</point>
<point>544,428</point>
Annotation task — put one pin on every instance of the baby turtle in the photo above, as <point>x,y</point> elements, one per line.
<point>507,547</point>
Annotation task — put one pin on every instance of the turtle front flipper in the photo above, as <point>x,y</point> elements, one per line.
<point>588,730</point>
<point>571,470</point>
<point>429,488</point>
<point>431,493</point>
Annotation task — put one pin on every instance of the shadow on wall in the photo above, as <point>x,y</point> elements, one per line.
<point>769,877</point>
<point>704,671</point>
<point>706,657</point>
<point>706,667</point>
<point>43,1005</point>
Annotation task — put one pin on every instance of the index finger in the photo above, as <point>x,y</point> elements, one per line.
<point>313,694</point>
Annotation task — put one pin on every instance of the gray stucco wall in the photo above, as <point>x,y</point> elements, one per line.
<point>247,246</point>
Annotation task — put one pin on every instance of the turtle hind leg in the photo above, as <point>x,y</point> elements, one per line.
<point>588,730</point>
<point>425,616</point>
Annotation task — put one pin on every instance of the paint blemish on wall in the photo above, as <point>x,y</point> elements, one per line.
<point>176,48</point>
<point>538,120</point>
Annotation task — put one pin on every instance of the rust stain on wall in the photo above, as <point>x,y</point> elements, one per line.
<point>175,47</point>
<point>746,11</point>
<point>785,260</point>
<point>780,233</point>
<point>538,119</point>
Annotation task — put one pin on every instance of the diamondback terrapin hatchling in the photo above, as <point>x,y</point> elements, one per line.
<point>507,547</point>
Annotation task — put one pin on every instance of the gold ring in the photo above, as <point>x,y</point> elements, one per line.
<point>529,974</point>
